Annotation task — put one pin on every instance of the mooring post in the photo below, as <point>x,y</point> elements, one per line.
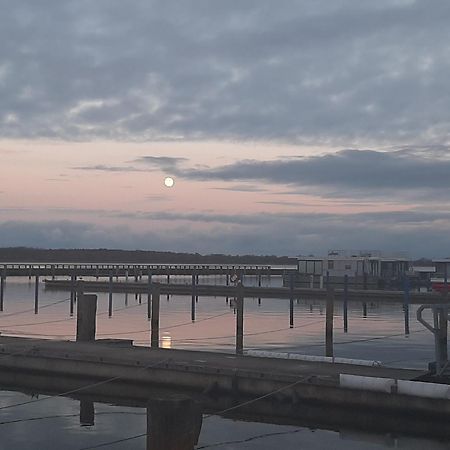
<point>345,303</point>
<point>329,321</point>
<point>72,293</point>
<point>149,295</point>
<point>155,316</point>
<point>291,301</point>
<point>406,301</point>
<point>364,305</point>
<point>239,319</point>
<point>110,296</point>
<point>36,295</point>
<point>86,317</point>
<point>2,288</point>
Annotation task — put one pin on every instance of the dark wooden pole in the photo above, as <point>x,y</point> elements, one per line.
<point>110,299</point>
<point>329,321</point>
<point>345,303</point>
<point>149,296</point>
<point>155,316</point>
<point>36,295</point>
<point>2,288</point>
<point>86,317</point>
<point>239,319</point>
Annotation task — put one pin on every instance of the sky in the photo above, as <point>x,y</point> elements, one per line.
<point>289,127</point>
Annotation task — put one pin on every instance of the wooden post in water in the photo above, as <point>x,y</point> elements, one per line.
<point>329,321</point>
<point>345,303</point>
<point>86,317</point>
<point>364,305</point>
<point>110,296</point>
<point>36,295</point>
<point>155,317</point>
<point>193,299</point>
<point>406,301</point>
<point>149,295</point>
<point>239,319</point>
<point>291,301</point>
<point>72,293</point>
<point>2,288</point>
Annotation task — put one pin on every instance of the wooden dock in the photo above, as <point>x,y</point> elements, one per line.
<point>419,298</point>
<point>285,391</point>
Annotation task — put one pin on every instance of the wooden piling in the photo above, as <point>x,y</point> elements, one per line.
<point>149,296</point>
<point>155,317</point>
<point>72,293</point>
<point>406,302</point>
<point>329,322</point>
<point>86,317</point>
<point>110,296</point>
<point>345,303</point>
<point>291,301</point>
<point>239,319</point>
<point>36,295</point>
<point>2,288</point>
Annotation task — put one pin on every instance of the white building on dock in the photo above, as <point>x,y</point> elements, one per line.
<point>362,266</point>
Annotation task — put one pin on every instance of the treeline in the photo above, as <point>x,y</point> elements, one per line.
<point>25,254</point>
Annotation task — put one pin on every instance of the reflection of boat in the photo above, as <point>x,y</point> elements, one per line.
<point>439,285</point>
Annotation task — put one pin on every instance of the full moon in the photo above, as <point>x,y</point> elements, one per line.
<point>169,182</point>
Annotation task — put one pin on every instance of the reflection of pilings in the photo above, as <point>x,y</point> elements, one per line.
<point>240,320</point>
<point>155,316</point>
<point>364,305</point>
<point>173,423</point>
<point>329,322</point>
<point>406,302</point>
<point>87,413</point>
<point>36,295</point>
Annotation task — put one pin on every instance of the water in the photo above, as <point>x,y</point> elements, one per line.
<point>378,336</point>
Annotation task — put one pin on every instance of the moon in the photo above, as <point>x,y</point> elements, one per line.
<point>169,182</point>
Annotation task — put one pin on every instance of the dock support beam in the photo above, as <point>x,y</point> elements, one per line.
<point>329,322</point>
<point>155,317</point>
<point>240,319</point>
<point>86,317</point>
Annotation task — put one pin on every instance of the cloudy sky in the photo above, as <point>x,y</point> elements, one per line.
<point>289,127</point>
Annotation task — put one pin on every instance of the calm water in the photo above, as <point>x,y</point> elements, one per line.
<point>379,335</point>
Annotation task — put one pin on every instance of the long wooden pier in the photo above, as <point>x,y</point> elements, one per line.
<point>25,269</point>
<point>419,298</point>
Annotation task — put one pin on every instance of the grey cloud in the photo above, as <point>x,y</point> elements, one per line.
<point>241,188</point>
<point>304,71</point>
<point>163,162</point>
<point>348,173</point>
<point>105,168</point>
